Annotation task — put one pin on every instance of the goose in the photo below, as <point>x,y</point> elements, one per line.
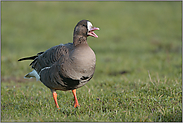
<point>66,66</point>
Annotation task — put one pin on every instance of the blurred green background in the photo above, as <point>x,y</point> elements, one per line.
<point>138,41</point>
<point>131,35</point>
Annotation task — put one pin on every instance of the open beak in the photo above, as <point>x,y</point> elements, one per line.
<point>91,32</point>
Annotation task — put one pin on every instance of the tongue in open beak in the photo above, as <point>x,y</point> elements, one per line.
<point>91,32</point>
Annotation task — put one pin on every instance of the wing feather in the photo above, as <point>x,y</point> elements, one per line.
<point>50,56</point>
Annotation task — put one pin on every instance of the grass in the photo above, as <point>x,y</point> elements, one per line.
<point>138,75</point>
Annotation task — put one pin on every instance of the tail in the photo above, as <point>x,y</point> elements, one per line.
<point>33,74</point>
<point>31,58</point>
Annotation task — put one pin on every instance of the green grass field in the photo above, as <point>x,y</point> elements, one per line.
<point>138,74</point>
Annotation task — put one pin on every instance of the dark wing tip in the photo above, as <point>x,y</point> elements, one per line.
<point>28,58</point>
<point>21,59</point>
<point>31,58</point>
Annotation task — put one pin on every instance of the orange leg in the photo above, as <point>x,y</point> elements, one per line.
<point>76,104</point>
<point>55,98</point>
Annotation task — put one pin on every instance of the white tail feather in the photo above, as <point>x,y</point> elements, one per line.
<point>33,74</point>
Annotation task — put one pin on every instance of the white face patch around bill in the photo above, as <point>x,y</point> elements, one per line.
<point>89,25</point>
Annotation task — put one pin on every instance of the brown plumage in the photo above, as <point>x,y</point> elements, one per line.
<point>66,66</point>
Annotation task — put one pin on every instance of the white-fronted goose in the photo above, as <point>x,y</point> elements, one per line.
<point>66,66</point>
